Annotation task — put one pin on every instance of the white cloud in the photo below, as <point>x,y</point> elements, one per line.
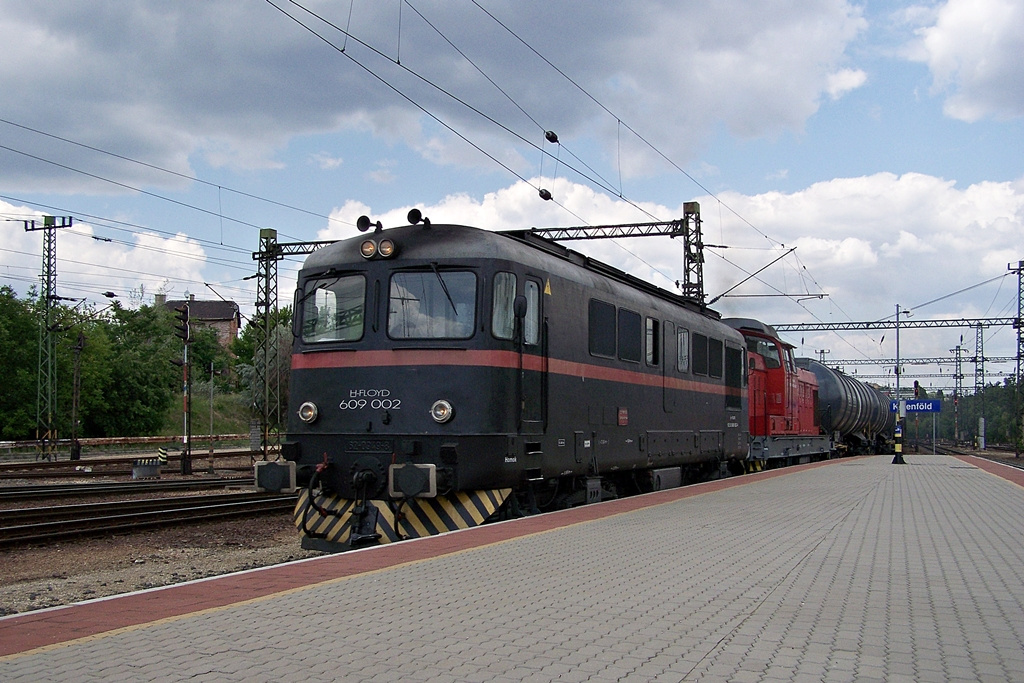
<point>974,52</point>
<point>86,267</point>
<point>865,243</point>
<point>232,84</point>
<point>844,81</point>
<point>326,161</point>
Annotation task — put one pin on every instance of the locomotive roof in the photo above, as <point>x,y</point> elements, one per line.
<point>448,241</point>
<point>754,326</point>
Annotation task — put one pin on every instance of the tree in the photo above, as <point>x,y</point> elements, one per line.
<point>244,348</point>
<point>19,361</point>
<point>141,381</point>
<point>244,345</point>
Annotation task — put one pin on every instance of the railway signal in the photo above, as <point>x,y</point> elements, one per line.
<point>183,330</point>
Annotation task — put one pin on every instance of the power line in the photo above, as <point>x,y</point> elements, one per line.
<point>128,187</point>
<point>169,171</point>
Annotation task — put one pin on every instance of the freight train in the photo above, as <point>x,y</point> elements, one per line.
<point>444,375</point>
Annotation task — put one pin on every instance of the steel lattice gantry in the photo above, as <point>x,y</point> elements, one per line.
<point>978,323</point>
<point>687,227</point>
<point>266,357</point>
<point>891,324</point>
<point>937,360</point>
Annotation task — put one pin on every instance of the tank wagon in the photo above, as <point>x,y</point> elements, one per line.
<point>443,372</point>
<point>856,415</point>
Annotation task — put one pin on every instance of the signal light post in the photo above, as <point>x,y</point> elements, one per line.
<point>901,410</point>
<point>184,332</point>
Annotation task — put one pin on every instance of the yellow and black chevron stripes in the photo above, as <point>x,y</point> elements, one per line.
<point>754,466</point>
<point>416,517</point>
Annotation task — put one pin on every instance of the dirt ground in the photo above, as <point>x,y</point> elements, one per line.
<point>34,577</point>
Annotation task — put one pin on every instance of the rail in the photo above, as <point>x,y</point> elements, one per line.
<point>45,524</point>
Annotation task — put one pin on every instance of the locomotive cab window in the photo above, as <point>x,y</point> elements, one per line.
<point>333,309</point>
<point>503,319</point>
<point>768,350</point>
<point>433,304</point>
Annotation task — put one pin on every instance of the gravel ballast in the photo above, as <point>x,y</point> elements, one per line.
<point>62,573</point>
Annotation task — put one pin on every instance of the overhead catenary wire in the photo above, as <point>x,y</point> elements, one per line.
<point>449,127</point>
<point>602,183</point>
<point>168,171</point>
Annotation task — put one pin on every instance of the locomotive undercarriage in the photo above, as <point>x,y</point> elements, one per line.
<point>379,499</point>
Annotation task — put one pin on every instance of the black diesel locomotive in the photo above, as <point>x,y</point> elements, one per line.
<point>441,372</point>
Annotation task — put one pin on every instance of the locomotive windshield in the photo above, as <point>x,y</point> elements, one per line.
<point>332,309</point>
<point>432,305</point>
<point>767,349</point>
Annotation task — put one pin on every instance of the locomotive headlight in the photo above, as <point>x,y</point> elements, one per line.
<point>308,412</point>
<point>441,411</point>
<point>368,248</point>
<point>386,248</point>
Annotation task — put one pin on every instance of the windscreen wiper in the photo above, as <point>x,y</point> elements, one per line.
<point>440,279</point>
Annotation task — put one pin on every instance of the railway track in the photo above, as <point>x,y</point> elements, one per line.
<point>79,490</point>
<point>1001,455</point>
<point>44,524</point>
<point>113,466</point>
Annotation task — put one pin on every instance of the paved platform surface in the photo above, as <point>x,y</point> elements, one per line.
<point>850,570</point>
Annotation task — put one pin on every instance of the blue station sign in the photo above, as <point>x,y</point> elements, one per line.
<point>918,406</point>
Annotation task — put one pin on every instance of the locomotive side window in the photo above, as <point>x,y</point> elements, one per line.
<point>700,354</point>
<point>602,328</point>
<point>715,358</point>
<point>653,342</point>
<point>333,309</point>
<point>432,305</point>
<point>630,337</point>
<point>503,319</point>
<point>683,351</point>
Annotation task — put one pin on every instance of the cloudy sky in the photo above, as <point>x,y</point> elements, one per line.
<point>883,140</point>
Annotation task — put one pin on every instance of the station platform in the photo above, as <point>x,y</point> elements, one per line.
<point>847,570</point>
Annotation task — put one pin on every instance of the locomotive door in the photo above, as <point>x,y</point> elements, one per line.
<point>668,361</point>
<point>533,360</point>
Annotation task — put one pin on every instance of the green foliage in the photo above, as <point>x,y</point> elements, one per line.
<point>244,346</point>
<point>140,382</point>
<point>125,359</point>
<point>995,403</point>
<point>19,359</point>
